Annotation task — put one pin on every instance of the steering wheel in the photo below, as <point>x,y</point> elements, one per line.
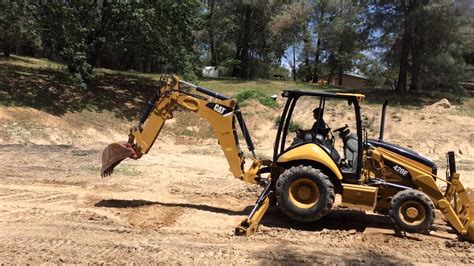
<point>341,129</point>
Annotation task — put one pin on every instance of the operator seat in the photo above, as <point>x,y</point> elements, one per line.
<point>328,147</point>
<point>351,151</point>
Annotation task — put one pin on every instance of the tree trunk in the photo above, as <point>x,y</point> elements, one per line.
<point>318,48</point>
<point>210,28</point>
<point>331,75</point>
<point>293,71</point>
<point>242,54</point>
<point>341,75</point>
<point>236,67</point>
<point>406,42</point>
<point>316,62</point>
<point>309,76</point>
<point>415,67</point>
<point>417,48</point>
<point>6,52</point>
<point>251,70</point>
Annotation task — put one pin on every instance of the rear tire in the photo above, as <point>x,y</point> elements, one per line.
<point>304,193</point>
<point>412,211</point>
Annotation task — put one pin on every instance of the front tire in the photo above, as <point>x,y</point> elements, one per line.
<point>412,211</point>
<point>304,193</point>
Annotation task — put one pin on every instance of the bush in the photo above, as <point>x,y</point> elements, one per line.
<point>292,127</point>
<point>257,95</point>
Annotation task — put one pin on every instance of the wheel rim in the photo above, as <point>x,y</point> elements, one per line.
<point>304,193</point>
<point>412,212</point>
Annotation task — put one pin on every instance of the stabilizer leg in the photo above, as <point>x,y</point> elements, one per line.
<point>250,224</point>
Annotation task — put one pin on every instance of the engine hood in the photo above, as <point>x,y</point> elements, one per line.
<point>404,152</point>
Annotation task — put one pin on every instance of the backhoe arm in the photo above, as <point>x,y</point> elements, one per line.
<point>220,111</point>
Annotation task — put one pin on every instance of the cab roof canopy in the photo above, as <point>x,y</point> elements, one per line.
<point>347,96</point>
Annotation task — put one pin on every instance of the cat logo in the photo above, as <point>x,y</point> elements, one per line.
<point>219,109</point>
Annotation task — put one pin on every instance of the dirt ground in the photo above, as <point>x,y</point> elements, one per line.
<point>180,205</point>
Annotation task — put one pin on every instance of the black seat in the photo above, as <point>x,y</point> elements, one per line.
<point>351,151</point>
<point>325,144</point>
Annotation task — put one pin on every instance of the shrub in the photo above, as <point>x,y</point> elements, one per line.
<point>292,127</point>
<point>257,95</point>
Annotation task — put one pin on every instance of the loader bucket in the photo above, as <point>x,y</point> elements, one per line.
<point>465,210</point>
<point>469,216</point>
<point>113,154</point>
<point>470,232</point>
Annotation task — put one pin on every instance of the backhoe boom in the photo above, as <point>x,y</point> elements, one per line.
<point>220,111</point>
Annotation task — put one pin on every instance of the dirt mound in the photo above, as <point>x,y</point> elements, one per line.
<point>443,103</point>
<point>440,106</point>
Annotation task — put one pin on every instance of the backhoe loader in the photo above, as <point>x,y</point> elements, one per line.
<point>305,174</point>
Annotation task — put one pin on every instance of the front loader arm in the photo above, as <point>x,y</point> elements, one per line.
<point>221,112</point>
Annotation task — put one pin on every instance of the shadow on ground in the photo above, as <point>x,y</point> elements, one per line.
<point>335,220</point>
<point>289,255</point>
<point>116,203</point>
<point>52,91</point>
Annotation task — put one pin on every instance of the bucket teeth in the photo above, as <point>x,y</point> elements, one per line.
<point>113,154</point>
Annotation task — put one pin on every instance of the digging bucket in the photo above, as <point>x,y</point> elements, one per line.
<point>113,154</point>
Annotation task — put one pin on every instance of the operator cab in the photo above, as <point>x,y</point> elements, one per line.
<point>308,118</point>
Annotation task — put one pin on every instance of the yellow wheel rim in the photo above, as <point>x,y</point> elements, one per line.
<point>304,193</point>
<point>412,213</point>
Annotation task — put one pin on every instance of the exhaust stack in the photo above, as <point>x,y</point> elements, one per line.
<point>382,120</point>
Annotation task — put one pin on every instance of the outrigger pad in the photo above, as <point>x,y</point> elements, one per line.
<point>113,154</point>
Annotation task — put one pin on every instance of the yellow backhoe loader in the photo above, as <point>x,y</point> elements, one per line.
<point>306,173</point>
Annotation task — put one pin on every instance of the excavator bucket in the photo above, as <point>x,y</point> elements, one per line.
<point>113,154</point>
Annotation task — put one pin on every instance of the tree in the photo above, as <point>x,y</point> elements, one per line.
<point>119,34</point>
<point>15,26</point>
<point>239,38</point>
<point>291,25</point>
<point>344,38</point>
<point>69,30</point>
<point>426,59</point>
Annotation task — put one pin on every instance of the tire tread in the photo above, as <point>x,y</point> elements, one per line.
<point>412,194</point>
<point>291,211</point>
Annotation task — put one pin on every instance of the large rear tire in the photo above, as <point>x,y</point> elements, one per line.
<point>304,193</point>
<point>412,211</point>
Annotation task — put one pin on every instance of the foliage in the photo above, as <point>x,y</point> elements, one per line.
<point>244,95</point>
<point>392,42</point>
<point>279,71</point>
<point>292,127</point>
<point>16,34</point>
<point>140,35</point>
<point>423,58</point>
<point>291,25</point>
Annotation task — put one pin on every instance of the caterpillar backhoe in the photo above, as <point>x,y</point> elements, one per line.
<point>303,178</point>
